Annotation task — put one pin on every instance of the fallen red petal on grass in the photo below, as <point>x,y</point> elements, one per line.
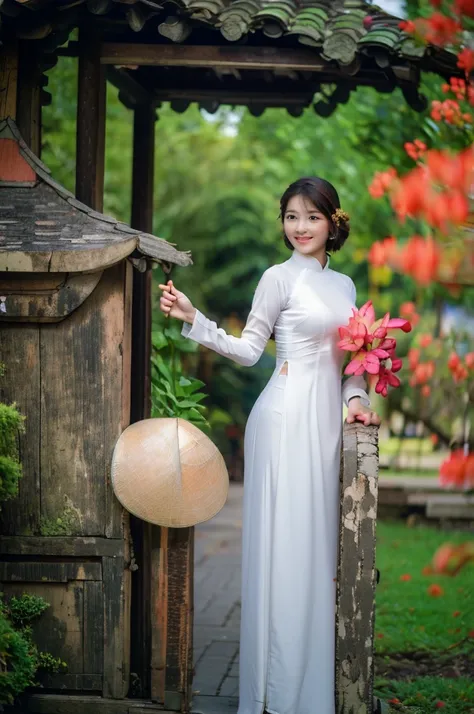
<point>456,613</point>
<point>380,636</point>
<point>405,577</point>
<point>435,590</point>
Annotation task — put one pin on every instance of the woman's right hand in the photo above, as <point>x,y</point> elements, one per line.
<point>175,303</point>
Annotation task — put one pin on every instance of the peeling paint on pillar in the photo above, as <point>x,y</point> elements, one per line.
<point>355,605</point>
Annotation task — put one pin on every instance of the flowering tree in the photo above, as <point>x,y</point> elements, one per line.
<point>431,201</point>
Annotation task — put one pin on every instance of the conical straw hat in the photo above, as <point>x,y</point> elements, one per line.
<point>167,472</point>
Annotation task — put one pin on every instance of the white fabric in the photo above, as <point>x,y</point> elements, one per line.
<point>291,485</point>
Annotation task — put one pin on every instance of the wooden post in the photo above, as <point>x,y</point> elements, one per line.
<point>29,96</point>
<point>91,104</point>
<point>356,581</point>
<point>8,80</point>
<point>143,619</point>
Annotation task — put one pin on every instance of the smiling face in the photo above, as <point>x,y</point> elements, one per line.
<point>306,227</point>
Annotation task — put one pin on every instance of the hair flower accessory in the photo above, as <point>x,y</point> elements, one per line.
<point>339,216</point>
<point>374,349</point>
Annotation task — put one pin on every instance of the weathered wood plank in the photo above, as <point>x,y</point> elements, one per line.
<point>20,353</point>
<point>79,682</point>
<point>67,261</point>
<point>115,684</point>
<point>29,96</point>
<point>81,413</point>
<point>61,547</point>
<point>8,80</point>
<point>238,57</point>
<point>116,407</point>
<point>355,606</point>
<point>90,148</point>
<point>59,630</point>
<point>179,644</point>
<point>141,599</point>
<point>38,571</point>
<point>159,611</point>
<point>94,629</point>
<point>50,305</point>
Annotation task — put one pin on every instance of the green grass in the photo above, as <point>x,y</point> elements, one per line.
<point>408,619</point>
<point>422,695</point>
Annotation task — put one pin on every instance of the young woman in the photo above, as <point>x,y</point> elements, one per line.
<point>292,454</point>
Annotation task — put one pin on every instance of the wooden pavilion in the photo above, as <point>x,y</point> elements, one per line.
<point>77,288</point>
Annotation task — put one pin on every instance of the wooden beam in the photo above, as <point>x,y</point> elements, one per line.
<point>143,625</point>
<point>226,96</point>
<point>91,102</point>
<point>29,96</point>
<point>209,56</point>
<point>132,93</point>
<point>8,80</point>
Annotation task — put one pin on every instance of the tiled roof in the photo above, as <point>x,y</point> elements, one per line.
<point>41,217</point>
<point>339,30</point>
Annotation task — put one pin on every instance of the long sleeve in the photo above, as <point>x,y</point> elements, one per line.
<point>355,386</point>
<point>268,301</point>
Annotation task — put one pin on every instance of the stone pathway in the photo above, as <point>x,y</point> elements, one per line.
<point>217,609</point>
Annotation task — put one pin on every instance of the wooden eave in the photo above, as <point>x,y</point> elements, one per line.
<point>44,228</point>
<point>330,41</point>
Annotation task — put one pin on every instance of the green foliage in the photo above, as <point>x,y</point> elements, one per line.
<point>23,610</point>
<point>173,394</point>
<point>10,474</point>
<point>20,659</point>
<point>17,662</point>
<point>11,424</point>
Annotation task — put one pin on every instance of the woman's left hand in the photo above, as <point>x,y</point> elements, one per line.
<point>359,412</point>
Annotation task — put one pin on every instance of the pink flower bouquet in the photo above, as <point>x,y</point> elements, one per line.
<point>374,350</point>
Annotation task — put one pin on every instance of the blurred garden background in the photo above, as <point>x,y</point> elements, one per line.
<point>218,181</point>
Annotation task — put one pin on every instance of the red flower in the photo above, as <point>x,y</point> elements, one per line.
<point>405,578</point>
<point>435,590</point>
<point>426,390</point>
<point>466,60</point>
<point>368,21</point>
<point>413,358</point>
<point>382,182</point>
<point>407,26</point>
<point>464,7</point>
<point>426,340</point>
<point>457,470</point>
<point>440,705</point>
<point>382,252</point>
<point>420,258</point>
<point>456,613</point>
<point>454,360</point>
<point>441,30</point>
<point>469,359</point>
<point>416,149</point>
<point>386,379</point>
